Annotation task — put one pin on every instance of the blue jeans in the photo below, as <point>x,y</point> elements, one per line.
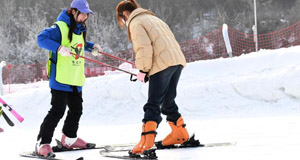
<point>162,94</point>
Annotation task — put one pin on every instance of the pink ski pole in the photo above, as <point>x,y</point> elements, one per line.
<point>13,112</point>
<point>78,56</point>
<point>116,58</point>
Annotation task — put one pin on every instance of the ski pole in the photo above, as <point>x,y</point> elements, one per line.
<point>116,58</point>
<point>108,55</point>
<point>103,64</point>
<point>13,112</point>
<point>9,122</point>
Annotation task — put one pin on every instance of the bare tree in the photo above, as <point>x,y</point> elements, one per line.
<point>6,30</point>
<point>22,21</point>
<point>31,22</point>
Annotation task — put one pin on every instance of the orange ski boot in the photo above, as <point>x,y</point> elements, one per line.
<point>178,135</point>
<point>147,138</point>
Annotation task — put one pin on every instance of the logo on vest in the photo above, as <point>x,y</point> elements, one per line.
<point>78,48</point>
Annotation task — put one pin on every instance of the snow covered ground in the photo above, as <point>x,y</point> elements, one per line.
<point>253,100</point>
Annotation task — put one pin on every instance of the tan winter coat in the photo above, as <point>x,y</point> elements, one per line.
<point>153,42</point>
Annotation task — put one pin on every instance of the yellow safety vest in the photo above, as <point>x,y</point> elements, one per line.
<point>69,69</point>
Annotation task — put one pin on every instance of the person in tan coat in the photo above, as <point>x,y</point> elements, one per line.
<point>159,58</point>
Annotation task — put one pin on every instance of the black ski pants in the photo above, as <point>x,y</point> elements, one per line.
<point>162,94</point>
<point>59,101</point>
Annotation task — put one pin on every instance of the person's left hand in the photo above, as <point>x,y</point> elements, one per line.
<point>141,76</point>
<point>97,49</point>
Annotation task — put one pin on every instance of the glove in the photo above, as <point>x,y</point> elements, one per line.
<point>141,76</point>
<point>96,50</point>
<point>64,51</point>
<point>0,110</point>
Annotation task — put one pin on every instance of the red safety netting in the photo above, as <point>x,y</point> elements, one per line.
<point>243,43</point>
<point>210,46</point>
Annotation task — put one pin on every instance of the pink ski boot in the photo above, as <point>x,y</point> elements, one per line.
<point>45,150</point>
<point>72,143</point>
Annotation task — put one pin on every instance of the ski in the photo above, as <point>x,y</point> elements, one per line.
<point>60,148</point>
<point>9,122</point>
<point>158,145</point>
<point>220,144</point>
<point>13,112</point>
<point>112,148</point>
<point>147,155</point>
<point>34,155</point>
<point>191,142</point>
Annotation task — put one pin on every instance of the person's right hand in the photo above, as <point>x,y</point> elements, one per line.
<point>64,51</point>
<point>96,50</point>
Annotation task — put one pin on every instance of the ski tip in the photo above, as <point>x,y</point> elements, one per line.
<point>193,136</point>
<point>59,144</point>
<point>57,141</point>
<point>222,144</point>
<point>80,158</point>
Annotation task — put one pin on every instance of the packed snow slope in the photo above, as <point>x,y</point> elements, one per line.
<point>253,100</point>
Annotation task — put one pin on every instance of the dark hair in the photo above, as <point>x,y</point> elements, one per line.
<point>128,5</point>
<point>73,24</point>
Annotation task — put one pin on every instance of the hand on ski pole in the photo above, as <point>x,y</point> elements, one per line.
<point>116,68</point>
<point>141,76</point>
<point>96,50</point>
<point>0,110</point>
<point>64,51</point>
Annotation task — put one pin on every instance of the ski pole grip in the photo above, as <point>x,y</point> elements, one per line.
<point>131,78</point>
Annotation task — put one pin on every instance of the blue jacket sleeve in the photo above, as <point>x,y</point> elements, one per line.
<point>50,38</point>
<point>89,46</point>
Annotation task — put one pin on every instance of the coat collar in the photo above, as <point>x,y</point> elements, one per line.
<point>134,14</point>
